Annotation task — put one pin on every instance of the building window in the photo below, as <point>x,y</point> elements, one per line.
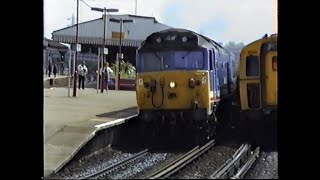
<point>252,66</point>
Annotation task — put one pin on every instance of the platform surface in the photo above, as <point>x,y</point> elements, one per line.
<point>70,122</point>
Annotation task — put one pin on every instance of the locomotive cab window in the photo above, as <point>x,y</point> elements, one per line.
<point>274,63</point>
<point>252,66</point>
<point>210,60</point>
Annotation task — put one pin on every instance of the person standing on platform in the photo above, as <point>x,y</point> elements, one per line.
<point>62,69</point>
<point>50,64</point>
<point>49,69</point>
<point>107,71</point>
<point>55,70</point>
<point>83,70</point>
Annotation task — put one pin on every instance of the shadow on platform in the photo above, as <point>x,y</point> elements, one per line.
<point>119,114</point>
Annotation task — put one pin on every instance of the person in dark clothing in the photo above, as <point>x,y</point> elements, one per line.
<point>54,70</point>
<point>49,69</point>
<point>62,69</point>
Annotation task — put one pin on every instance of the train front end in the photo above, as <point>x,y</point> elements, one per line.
<point>172,83</point>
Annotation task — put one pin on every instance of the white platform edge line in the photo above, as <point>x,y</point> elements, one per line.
<point>99,126</point>
<point>76,151</point>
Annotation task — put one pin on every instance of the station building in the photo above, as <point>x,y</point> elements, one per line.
<point>90,36</point>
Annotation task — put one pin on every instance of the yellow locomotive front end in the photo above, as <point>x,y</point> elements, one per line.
<point>182,93</point>
<point>178,83</point>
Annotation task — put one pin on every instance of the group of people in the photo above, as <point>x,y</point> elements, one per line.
<point>105,70</point>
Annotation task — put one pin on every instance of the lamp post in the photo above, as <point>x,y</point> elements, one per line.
<point>76,58</point>
<point>104,10</point>
<point>121,21</point>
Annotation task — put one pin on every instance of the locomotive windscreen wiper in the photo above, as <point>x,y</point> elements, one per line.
<point>161,61</point>
<point>186,55</point>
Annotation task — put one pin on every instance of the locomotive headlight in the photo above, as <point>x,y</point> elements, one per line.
<point>184,39</point>
<point>158,40</point>
<point>204,80</point>
<point>192,83</point>
<point>172,84</point>
<point>140,81</point>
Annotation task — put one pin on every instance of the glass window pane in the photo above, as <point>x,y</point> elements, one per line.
<point>252,66</point>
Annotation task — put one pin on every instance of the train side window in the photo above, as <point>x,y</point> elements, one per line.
<point>252,66</point>
<point>210,60</point>
<point>274,63</point>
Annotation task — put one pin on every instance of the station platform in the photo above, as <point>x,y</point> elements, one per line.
<point>58,81</point>
<point>70,122</point>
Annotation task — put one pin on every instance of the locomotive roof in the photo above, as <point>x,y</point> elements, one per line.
<point>203,41</point>
<point>259,42</point>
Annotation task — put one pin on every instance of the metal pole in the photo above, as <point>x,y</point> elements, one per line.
<point>116,74</point>
<point>104,39</point>
<point>136,4</point>
<point>120,56</point>
<point>69,73</point>
<point>98,71</point>
<point>74,69</point>
<point>76,56</point>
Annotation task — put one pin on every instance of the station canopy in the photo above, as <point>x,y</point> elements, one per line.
<point>91,32</point>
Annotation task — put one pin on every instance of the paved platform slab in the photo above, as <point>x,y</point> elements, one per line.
<point>70,122</point>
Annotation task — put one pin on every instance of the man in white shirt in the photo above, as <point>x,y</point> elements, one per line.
<point>82,70</point>
<point>107,71</point>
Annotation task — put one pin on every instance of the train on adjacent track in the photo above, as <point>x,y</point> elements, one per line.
<point>182,76</point>
<point>257,88</point>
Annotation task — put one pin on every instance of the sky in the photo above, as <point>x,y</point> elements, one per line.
<point>221,20</point>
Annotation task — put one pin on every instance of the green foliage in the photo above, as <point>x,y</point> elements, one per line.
<point>126,70</point>
<point>92,66</point>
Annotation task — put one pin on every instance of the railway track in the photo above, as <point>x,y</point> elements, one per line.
<point>242,172</point>
<point>233,168</point>
<point>181,162</point>
<point>116,166</point>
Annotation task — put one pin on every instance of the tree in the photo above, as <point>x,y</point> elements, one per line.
<point>92,66</point>
<point>125,68</point>
<point>235,48</point>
